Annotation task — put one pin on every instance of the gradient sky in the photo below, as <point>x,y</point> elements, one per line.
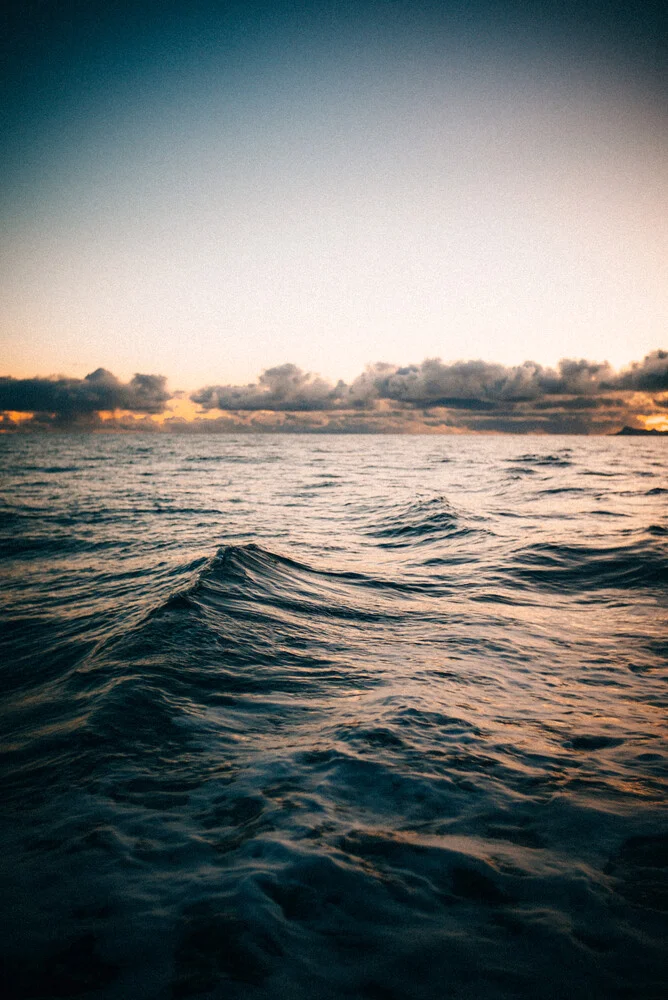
<point>205,191</point>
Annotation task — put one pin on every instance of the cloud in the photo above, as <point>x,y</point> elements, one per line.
<point>73,400</point>
<point>650,374</point>
<point>471,385</point>
<point>285,387</point>
<point>467,385</point>
<point>575,397</point>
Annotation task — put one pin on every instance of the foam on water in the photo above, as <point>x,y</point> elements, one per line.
<point>264,739</point>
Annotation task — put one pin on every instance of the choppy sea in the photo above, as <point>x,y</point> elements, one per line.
<point>370,718</point>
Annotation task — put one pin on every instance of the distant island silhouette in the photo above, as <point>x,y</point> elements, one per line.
<point>626,431</point>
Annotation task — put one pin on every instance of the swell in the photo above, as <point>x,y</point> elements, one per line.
<point>560,460</point>
<point>418,522</point>
<point>581,568</point>
<point>251,573</point>
<point>250,624</point>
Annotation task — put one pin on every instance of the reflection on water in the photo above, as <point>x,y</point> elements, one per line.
<point>334,717</point>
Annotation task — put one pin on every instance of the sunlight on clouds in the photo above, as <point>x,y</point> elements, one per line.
<point>656,422</point>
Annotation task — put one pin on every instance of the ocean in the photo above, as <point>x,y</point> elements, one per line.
<point>359,717</point>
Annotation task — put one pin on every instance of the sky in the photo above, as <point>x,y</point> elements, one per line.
<point>205,192</point>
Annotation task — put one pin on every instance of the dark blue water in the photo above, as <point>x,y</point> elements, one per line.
<point>362,717</point>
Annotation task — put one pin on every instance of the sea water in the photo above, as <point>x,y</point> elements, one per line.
<point>333,717</point>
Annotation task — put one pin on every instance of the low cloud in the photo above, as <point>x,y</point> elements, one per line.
<point>74,401</point>
<point>472,385</point>
<point>648,375</point>
<point>576,397</point>
<point>285,387</point>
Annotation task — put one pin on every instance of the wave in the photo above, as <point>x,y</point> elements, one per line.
<point>255,581</point>
<point>557,490</point>
<point>252,619</point>
<point>46,543</point>
<point>581,568</point>
<point>560,460</point>
<point>417,522</point>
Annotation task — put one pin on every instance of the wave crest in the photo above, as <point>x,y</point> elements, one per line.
<point>418,522</point>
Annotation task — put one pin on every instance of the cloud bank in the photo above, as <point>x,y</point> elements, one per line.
<point>578,396</point>
<point>285,387</point>
<point>67,401</point>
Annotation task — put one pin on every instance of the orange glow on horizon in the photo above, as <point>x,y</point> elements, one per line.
<point>645,410</point>
<point>654,422</point>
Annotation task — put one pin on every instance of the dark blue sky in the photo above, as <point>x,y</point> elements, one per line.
<point>65,61</point>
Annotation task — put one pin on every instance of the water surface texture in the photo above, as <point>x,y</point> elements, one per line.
<point>334,717</point>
